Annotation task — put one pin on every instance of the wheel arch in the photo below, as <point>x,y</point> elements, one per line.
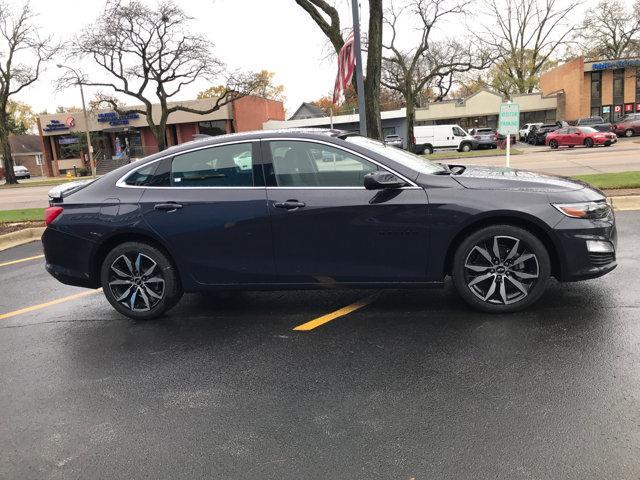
<point>526,222</point>
<point>119,238</point>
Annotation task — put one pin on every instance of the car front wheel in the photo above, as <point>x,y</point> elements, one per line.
<point>139,281</point>
<point>501,269</point>
<point>553,144</point>
<point>628,133</point>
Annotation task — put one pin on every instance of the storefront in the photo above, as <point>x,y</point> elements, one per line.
<point>120,138</point>
<point>606,88</point>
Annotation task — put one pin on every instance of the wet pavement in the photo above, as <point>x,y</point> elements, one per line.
<point>414,385</point>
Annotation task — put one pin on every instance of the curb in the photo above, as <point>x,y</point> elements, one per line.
<point>625,202</point>
<point>20,237</point>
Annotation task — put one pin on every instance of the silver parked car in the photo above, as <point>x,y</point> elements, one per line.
<point>393,140</point>
<point>21,172</point>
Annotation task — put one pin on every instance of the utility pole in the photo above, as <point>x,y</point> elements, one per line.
<point>359,77</point>
<point>86,119</point>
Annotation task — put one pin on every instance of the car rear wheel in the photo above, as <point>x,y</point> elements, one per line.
<point>588,142</point>
<point>501,269</point>
<point>139,281</point>
<point>628,133</point>
<point>553,144</point>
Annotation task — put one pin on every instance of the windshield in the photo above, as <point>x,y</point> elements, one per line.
<point>410,160</point>
<point>587,129</point>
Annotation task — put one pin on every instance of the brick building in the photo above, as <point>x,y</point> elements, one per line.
<point>26,150</point>
<point>606,88</point>
<point>119,139</point>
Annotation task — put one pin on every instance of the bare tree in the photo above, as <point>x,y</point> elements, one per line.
<point>611,31</point>
<point>426,71</point>
<point>328,20</point>
<point>150,54</point>
<point>526,34</point>
<point>22,55</point>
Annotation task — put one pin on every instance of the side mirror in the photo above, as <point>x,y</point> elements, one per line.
<point>381,180</point>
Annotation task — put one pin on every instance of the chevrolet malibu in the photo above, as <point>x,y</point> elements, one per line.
<point>266,211</point>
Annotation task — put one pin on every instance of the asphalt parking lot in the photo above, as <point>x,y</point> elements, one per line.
<point>411,385</point>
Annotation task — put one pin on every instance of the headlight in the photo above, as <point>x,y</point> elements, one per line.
<point>591,210</point>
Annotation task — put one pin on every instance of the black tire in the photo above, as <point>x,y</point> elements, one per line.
<point>553,144</point>
<point>465,147</point>
<point>629,132</point>
<point>469,264</point>
<point>588,142</point>
<point>161,281</point>
<point>428,149</point>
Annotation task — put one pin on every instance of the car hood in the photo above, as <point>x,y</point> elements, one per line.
<point>500,178</point>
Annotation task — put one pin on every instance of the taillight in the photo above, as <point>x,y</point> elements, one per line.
<point>51,213</point>
<point>414,139</point>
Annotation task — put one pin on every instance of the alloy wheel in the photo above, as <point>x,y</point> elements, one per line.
<point>501,270</point>
<point>136,281</point>
<point>629,133</point>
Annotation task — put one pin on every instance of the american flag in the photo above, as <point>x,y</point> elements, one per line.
<point>346,66</point>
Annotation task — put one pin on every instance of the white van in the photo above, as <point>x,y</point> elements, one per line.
<point>442,137</point>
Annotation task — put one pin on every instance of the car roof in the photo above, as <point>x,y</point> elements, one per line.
<point>317,133</point>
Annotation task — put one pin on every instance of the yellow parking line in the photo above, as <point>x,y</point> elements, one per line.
<point>13,262</point>
<point>48,304</point>
<point>315,323</point>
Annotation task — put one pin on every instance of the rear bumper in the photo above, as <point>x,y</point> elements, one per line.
<point>69,258</point>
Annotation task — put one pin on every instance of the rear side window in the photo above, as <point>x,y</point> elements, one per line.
<point>143,176</point>
<point>223,166</point>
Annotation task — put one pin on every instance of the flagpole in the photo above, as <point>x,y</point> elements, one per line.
<point>359,78</point>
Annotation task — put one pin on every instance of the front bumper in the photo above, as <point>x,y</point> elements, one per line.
<point>578,263</point>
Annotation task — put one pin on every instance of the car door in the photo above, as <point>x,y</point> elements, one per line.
<point>328,228</point>
<point>210,209</point>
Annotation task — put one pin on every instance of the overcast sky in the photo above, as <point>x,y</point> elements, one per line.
<point>276,35</point>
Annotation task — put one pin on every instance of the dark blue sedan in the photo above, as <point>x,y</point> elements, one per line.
<point>321,209</point>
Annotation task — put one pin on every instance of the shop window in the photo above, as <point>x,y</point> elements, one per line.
<point>596,88</point>
<point>638,86</point>
<point>213,128</point>
<point>606,113</point>
<point>618,86</point>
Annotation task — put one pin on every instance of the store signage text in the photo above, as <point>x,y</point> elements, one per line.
<point>55,126</point>
<point>114,119</point>
<point>615,64</point>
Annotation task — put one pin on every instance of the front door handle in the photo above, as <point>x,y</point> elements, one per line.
<point>290,204</point>
<point>167,207</point>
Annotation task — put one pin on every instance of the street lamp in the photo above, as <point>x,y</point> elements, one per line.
<point>86,119</point>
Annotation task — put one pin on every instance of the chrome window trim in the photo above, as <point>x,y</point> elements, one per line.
<point>121,181</point>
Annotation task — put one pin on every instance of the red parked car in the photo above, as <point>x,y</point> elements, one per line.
<point>572,136</point>
<point>628,126</point>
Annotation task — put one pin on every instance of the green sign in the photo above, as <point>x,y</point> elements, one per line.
<point>509,120</point>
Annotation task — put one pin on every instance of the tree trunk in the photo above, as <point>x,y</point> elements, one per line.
<point>7,159</point>
<point>411,117</point>
<point>374,68</point>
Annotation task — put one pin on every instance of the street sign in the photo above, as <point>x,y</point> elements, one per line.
<point>509,120</point>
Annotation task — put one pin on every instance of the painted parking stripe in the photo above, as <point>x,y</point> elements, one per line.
<point>40,306</point>
<point>317,322</point>
<point>13,262</point>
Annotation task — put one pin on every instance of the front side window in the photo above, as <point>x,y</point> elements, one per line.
<point>223,166</point>
<point>142,176</point>
<point>458,132</point>
<point>309,164</point>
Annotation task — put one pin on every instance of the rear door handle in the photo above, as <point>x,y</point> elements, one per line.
<point>290,204</point>
<point>167,207</point>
